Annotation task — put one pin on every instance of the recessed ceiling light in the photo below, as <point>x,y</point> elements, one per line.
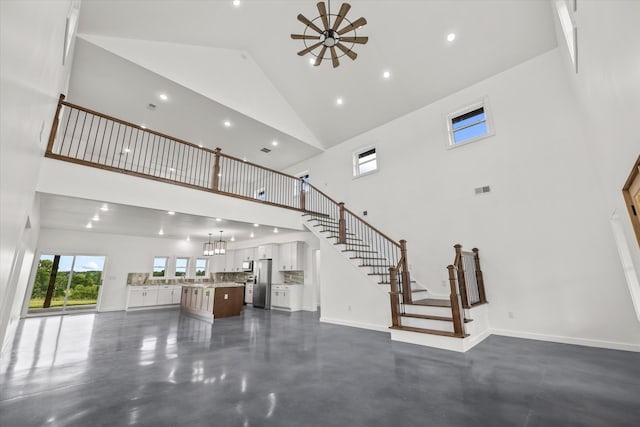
<point>451,37</point>
<point>163,96</point>
<point>218,219</point>
<point>236,3</point>
<point>312,61</point>
<point>386,74</point>
<point>89,225</point>
<point>227,124</point>
<point>161,232</point>
<point>256,225</point>
<point>274,143</point>
<point>339,101</point>
<point>275,230</point>
<point>104,208</point>
<point>233,239</point>
<point>171,213</point>
<point>251,235</point>
<point>95,218</point>
<point>188,238</point>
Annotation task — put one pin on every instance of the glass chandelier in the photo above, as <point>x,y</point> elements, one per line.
<point>217,247</point>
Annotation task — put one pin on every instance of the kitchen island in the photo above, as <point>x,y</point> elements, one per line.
<point>210,301</point>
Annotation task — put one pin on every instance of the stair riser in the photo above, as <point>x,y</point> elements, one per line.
<point>438,325</point>
<point>428,310</point>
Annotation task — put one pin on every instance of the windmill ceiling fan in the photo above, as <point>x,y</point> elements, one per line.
<point>331,37</point>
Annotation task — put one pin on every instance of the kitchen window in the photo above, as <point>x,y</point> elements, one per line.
<point>159,266</point>
<point>364,162</point>
<point>181,267</point>
<point>469,124</point>
<point>201,267</point>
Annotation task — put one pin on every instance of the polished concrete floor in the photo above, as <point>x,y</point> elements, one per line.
<point>163,368</point>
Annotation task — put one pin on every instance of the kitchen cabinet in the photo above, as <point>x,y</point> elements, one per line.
<point>218,263</point>
<point>230,262</point>
<point>291,256</point>
<point>142,296</point>
<point>221,300</point>
<point>248,293</point>
<point>266,251</point>
<point>166,294</point>
<point>286,297</point>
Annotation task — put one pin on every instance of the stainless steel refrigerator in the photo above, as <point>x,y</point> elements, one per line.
<point>262,288</point>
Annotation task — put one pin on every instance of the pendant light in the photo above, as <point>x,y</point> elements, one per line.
<point>207,248</point>
<point>220,247</point>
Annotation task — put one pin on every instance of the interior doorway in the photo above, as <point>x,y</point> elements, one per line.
<point>631,193</point>
<point>63,283</point>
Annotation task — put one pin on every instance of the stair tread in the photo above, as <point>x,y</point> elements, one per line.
<point>359,251</point>
<point>388,283</point>
<point>427,331</point>
<point>429,317</point>
<point>433,302</point>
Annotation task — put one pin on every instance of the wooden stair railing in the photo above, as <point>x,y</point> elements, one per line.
<point>90,138</point>
<point>467,290</point>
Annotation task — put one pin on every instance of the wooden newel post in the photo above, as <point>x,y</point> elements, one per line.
<point>395,298</point>
<point>479,278</point>
<point>461,279</point>
<point>54,125</point>
<point>216,170</point>
<point>406,280</point>
<point>456,310</point>
<point>342,226</point>
<point>302,194</point>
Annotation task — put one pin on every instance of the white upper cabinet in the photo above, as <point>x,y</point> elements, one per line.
<point>266,251</point>
<point>291,256</point>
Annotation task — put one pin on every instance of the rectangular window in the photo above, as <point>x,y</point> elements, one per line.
<point>159,266</point>
<point>181,267</point>
<point>469,124</point>
<point>364,161</point>
<point>201,267</point>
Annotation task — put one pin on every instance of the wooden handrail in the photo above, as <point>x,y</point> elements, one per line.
<point>373,228</point>
<point>461,279</point>
<point>323,194</point>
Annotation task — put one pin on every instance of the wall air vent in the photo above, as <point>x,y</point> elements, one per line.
<point>265,150</point>
<point>484,189</point>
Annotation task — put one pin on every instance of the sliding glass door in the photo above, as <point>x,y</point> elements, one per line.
<point>66,282</point>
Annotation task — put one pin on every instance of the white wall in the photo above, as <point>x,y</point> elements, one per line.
<point>608,88</point>
<point>546,247</point>
<point>31,79</point>
<point>125,254</point>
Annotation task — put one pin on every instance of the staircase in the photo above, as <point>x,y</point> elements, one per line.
<point>90,138</point>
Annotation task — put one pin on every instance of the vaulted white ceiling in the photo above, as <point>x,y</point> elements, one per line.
<point>239,63</point>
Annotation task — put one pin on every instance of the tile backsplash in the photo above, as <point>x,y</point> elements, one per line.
<point>294,277</point>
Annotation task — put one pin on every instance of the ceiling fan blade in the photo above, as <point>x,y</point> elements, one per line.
<point>309,24</point>
<point>355,24</point>
<point>309,49</point>
<point>323,14</point>
<point>359,40</point>
<point>304,37</point>
<point>351,54</point>
<point>334,57</point>
<point>343,12</point>
<point>321,56</point>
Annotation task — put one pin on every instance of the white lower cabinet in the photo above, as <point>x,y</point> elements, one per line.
<point>248,293</point>
<point>148,296</point>
<point>142,296</point>
<point>286,297</point>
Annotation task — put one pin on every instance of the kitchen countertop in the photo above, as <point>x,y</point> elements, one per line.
<point>214,285</point>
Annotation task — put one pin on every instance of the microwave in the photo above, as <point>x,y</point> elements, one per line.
<point>247,265</point>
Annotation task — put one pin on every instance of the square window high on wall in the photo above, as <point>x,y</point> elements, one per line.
<point>469,124</point>
<point>365,161</point>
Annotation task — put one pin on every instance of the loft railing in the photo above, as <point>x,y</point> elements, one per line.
<point>467,285</point>
<point>83,136</point>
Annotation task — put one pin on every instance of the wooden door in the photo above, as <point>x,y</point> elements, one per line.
<point>631,193</point>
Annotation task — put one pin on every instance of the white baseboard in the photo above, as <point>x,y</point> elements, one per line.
<point>360,325</point>
<point>567,340</point>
